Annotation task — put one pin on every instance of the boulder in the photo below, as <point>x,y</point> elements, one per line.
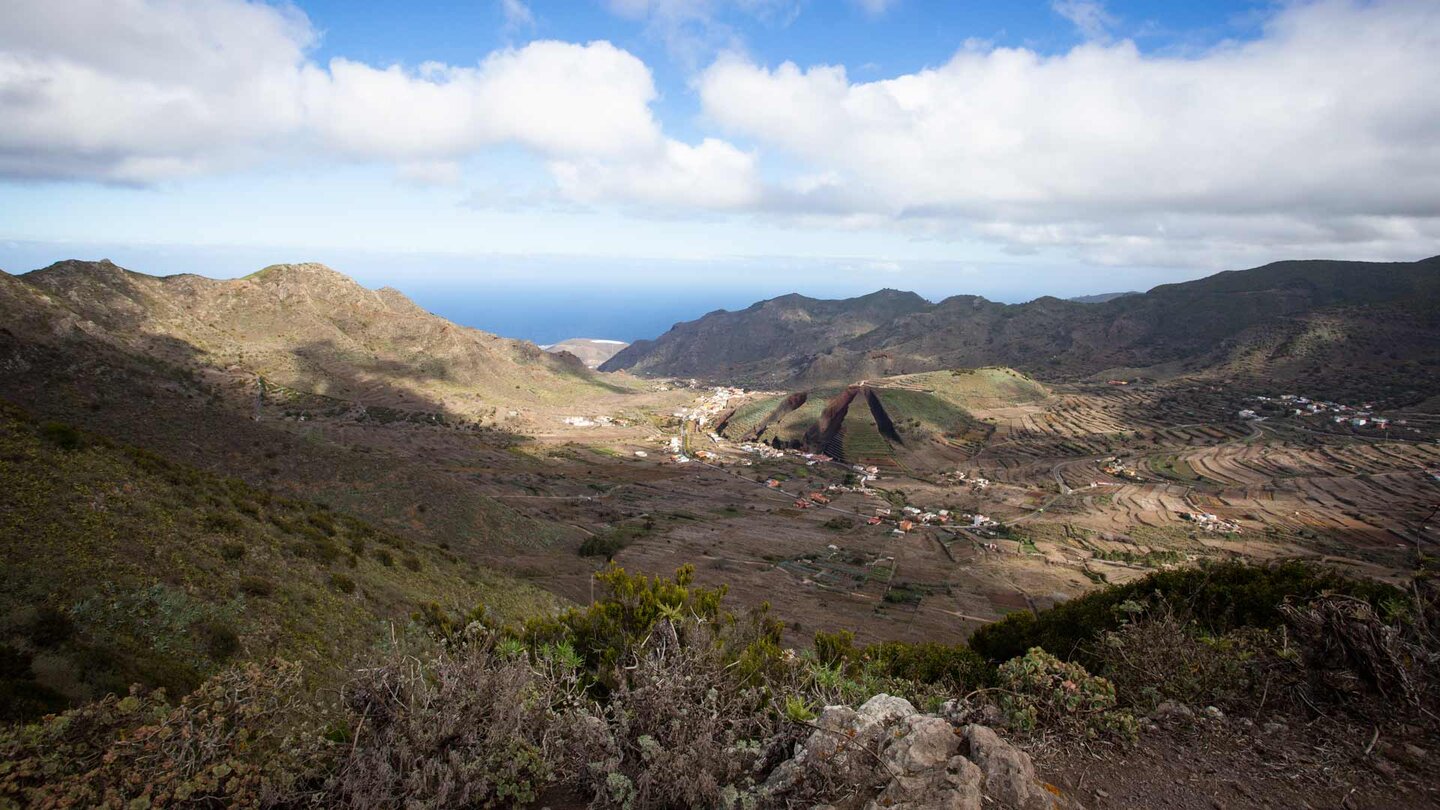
<point>887,756</point>
<point>1170,711</point>
<point>927,770</point>
<point>1009,774</point>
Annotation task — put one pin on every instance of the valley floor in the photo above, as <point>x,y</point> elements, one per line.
<point>1093,484</point>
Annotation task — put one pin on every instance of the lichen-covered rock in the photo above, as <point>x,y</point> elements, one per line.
<point>884,709</point>
<point>886,756</point>
<point>841,749</point>
<point>927,770</point>
<point>1009,774</point>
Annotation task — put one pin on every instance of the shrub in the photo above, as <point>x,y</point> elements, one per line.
<point>231,551</point>
<point>256,586</point>
<point>342,583</point>
<point>1219,597</point>
<point>602,545</point>
<point>411,562</point>
<point>385,557</point>
<point>952,665</point>
<point>465,729</point>
<point>234,742</point>
<point>688,728</point>
<point>955,666</point>
<point>628,608</point>
<point>836,649</point>
<point>1038,690</point>
<point>223,522</point>
<point>50,627</point>
<point>1371,666</point>
<point>62,435</point>
<point>1159,656</point>
<point>221,641</point>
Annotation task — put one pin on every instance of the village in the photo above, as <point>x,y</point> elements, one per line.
<point>1294,405</point>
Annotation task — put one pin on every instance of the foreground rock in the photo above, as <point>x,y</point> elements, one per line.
<point>887,755</point>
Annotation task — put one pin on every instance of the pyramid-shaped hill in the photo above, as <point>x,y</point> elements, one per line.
<point>918,422</point>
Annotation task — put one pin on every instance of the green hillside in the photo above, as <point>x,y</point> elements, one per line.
<point>748,417</point>
<point>124,567</point>
<point>990,387</point>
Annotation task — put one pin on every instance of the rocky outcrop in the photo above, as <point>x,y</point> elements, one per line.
<point>887,755</point>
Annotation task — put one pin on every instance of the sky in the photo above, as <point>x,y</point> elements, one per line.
<point>604,168</point>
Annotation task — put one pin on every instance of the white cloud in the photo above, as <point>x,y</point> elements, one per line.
<point>1323,128</point>
<point>1088,16</point>
<point>711,176</point>
<point>430,173</point>
<point>555,97</point>
<point>1316,138</point>
<point>876,7</point>
<point>133,91</point>
<point>695,30</point>
<point>517,14</point>
<point>188,86</point>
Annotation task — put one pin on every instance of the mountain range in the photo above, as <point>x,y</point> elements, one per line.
<point>1331,325</point>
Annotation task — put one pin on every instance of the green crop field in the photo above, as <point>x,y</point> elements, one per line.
<point>862,439</point>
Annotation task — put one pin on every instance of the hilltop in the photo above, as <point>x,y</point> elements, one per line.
<point>769,333</point>
<point>309,328</point>
<point>592,351</point>
<point>1319,324</point>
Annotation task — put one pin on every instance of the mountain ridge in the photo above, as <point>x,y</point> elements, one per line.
<point>309,327</point>
<point>1216,322</point>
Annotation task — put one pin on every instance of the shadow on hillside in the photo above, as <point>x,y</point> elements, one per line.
<point>325,370</point>
<point>151,394</point>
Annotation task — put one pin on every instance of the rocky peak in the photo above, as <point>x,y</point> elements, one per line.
<point>306,273</point>
<point>71,272</point>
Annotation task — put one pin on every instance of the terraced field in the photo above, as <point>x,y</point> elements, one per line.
<point>747,418</point>
<point>862,441</point>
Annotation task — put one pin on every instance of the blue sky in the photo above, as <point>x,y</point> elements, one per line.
<point>666,157</point>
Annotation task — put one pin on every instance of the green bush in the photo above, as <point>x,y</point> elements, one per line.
<point>232,551</point>
<point>628,608</point>
<point>1039,691</point>
<point>1157,656</point>
<point>62,435</point>
<point>342,583</point>
<point>256,586</point>
<point>221,641</point>
<point>50,627</point>
<point>1219,597</point>
<point>930,662</point>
